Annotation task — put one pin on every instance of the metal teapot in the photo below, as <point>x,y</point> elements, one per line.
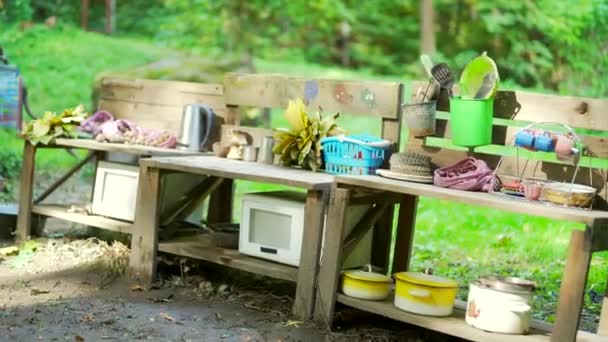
<point>196,127</point>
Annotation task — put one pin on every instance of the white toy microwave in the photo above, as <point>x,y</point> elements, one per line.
<point>272,227</point>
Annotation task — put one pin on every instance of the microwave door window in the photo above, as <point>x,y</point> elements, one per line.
<point>270,229</point>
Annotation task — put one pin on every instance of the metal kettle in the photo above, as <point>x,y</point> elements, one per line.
<point>196,127</point>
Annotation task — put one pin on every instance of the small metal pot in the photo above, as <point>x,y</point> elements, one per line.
<point>250,153</point>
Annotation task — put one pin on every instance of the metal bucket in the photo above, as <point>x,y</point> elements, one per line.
<point>420,118</point>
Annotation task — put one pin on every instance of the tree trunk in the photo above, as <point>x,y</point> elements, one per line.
<point>427,23</point>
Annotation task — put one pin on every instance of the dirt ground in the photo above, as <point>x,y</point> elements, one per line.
<point>75,290</point>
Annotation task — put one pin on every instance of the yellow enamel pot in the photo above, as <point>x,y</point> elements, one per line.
<point>366,285</point>
<point>425,294</point>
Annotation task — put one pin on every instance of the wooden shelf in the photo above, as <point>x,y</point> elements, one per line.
<point>454,325</point>
<point>91,144</point>
<point>190,247</point>
<point>61,212</point>
<point>474,198</point>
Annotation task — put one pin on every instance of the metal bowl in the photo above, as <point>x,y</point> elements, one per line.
<point>508,284</point>
<point>569,194</point>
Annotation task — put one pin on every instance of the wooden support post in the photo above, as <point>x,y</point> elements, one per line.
<point>329,272</point>
<point>572,290</point>
<point>405,233</point>
<point>64,178</point>
<point>24,219</point>
<point>110,16</point>
<point>602,328</point>
<point>144,238</point>
<point>220,203</point>
<point>84,14</point>
<point>314,217</point>
<point>602,226</point>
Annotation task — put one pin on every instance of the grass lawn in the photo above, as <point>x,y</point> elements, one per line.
<point>454,240</point>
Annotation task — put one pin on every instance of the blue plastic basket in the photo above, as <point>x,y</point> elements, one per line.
<point>351,158</point>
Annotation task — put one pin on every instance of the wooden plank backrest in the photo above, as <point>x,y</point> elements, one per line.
<point>516,109</point>
<point>157,104</point>
<point>376,98</point>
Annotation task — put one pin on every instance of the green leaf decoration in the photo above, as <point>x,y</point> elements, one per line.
<point>52,125</point>
<point>301,144</point>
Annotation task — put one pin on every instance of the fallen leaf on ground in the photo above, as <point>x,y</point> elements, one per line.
<point>169,318</point>
<point>290,323</point>
<point>78,338</point>
<point>10,250</point>
<point>137,288</point>
<point>35,292</point>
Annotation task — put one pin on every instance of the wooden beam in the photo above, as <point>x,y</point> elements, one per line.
<point>360,196</point>
<point>599,239</point>
<point>314,218</point>
<point>602,226</point>
<point>365,224</point>
<point>144,239</point>
<point>24,219</point>
<point>64,178</point>
<point>405,233</point>
<point>220,203</point>
<point>572,290</point>
<point>381,241</point>
<point>110,16</point>
<point>84,14</point>
<point>196,195</point>
<point>602,327</point>
<point>190,247</point>
<point>329,272</point>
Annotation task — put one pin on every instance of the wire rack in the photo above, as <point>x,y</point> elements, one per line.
<point>579,150</point>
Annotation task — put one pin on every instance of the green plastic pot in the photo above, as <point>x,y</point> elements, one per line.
<point>471,121</point>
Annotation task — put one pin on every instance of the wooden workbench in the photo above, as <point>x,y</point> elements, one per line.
<point>146,225</point>
<point>583,243</point>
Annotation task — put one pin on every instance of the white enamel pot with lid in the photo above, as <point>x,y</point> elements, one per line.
<point>500,304</point>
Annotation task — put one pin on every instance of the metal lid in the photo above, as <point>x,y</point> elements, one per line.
<point>508,284</point>
<point>426,279</point>
<point>368,276</point>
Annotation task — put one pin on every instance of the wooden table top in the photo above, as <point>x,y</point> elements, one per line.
<point>236,169</point>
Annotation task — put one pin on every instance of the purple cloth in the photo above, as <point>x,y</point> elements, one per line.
<point>104,127</point>
<point>469,174</point>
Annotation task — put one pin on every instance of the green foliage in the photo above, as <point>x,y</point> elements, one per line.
<point>10,163</point>
<point>545,44</point>
<point>51,125</point>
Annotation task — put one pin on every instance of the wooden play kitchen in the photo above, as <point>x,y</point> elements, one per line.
<point>511,112</point>
<point>365,177</point>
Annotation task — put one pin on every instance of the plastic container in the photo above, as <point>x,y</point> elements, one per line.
<point>420,118</point>
<point>471,121</point>
<point>354,155</point>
